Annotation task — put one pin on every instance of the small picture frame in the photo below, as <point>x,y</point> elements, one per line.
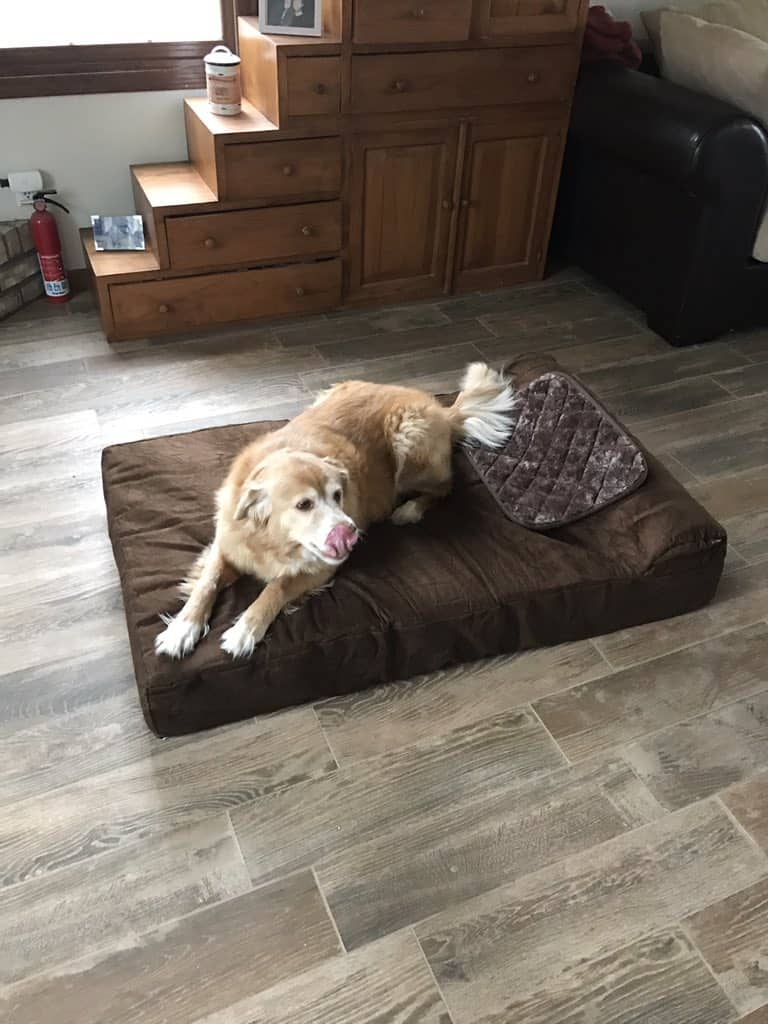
<point>118,233</point>
<point>291,17</point>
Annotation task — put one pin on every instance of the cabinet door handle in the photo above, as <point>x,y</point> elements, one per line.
<point>447,204</point>
<point>418,12</point>
<point>162,308</point>
<point>321,89</point>
<point>533,77</point>
<point>300,292</point>
<point>307,231</point>
<point>209,243</point>
<point>466,203</point>
<point>399,85</point>
<point>288,170</point>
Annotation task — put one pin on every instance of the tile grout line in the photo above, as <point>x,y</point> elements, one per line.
<point>428,965</point>
<point>707,966</point>
<point>236,838</point>
<point>601,654</point>
<point>735,821</point>
<point>683,647</point>
<point>327,907</point>
<point>631,741</point>
<point>568,761</point>
<point>326,738</point>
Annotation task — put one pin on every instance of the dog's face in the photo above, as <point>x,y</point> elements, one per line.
<point>300,498</point>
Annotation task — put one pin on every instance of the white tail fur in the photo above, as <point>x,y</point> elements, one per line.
<point>481,412</point>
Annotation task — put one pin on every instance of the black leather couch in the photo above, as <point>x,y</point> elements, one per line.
<point>662,193</point>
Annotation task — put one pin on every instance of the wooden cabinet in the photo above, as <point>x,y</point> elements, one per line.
<point>506,203</point>
<point>254,236</point>
<point>510,17</point>
<point>410,150</point>
<point>154,307</point>
<point>395,83</point>
<point>312,86</point>
<point>281,170</point>
<point>401,203</point>
<point>411,21</point>
<point>410,236</point>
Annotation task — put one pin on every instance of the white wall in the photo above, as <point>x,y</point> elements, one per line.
<point>85,145</point>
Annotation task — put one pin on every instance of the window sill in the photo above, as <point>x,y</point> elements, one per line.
<point>125,67</point>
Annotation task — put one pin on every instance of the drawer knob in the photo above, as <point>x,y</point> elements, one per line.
<point>447,204</point>
<point>209,243</point>
<point>321,89</point>
<point>399,85</point>
<point>288,170</point>
<point>466,203</point>
<point>419,12</point>
<point>300,292</point>
<point>533,77</point>
<point>307,231</point>
<point>162,308</point>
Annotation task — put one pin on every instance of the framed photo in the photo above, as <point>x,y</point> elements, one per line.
<point>291,17</point>
<point>118,233</point>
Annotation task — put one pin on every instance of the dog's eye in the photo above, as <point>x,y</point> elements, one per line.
<point>337,497</point>
<point>305,505</point>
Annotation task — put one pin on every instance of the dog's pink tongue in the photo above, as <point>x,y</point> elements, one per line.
<point>341,540</point>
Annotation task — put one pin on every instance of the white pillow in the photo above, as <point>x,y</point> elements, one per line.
<point>716,59</point>
<point>723,62</point>
<point>746,15</point>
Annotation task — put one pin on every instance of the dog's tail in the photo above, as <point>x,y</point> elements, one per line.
<point>481,412</point>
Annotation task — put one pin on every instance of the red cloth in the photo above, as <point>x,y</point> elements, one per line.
<point>608,39</point>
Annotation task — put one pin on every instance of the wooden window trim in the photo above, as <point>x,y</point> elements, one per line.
<point>114,67</point>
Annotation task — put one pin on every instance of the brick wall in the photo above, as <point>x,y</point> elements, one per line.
<point>20,280</point>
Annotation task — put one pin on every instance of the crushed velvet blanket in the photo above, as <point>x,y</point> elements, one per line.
<point>567,457</point>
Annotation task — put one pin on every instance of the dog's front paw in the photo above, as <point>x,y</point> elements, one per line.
<point>408,512</point>
<point>240,639</point>
<point>179,638</point>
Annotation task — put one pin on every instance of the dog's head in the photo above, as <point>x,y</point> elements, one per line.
<point>300,497</point>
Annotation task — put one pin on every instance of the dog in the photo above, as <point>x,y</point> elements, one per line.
<point>296,501</point>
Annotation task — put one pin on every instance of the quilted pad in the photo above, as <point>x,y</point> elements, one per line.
<point>567,457</point>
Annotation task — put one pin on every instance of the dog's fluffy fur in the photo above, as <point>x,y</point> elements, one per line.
<point>295,500</point>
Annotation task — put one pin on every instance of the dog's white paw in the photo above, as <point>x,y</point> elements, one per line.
<point>179,638</point>
<point>240,639</point>
<point>408,512</point>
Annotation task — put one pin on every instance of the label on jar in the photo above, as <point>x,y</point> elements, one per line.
<point>224,91</point>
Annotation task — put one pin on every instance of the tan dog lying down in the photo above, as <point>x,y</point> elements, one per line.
<point>296,501</point>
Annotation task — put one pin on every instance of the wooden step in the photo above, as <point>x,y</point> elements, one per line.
<point>162,189</point>
<point>290,77</point>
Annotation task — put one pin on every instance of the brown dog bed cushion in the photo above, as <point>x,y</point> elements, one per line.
<point>466,583</point>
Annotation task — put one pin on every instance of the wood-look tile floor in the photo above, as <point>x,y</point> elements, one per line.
<point>571,836</point>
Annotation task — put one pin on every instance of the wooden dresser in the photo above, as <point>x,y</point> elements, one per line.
<point>412,150</point>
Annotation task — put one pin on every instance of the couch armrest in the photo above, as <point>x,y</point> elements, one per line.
<point>669,131</point>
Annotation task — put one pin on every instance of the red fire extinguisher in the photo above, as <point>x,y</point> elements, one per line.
<point>46,238</point>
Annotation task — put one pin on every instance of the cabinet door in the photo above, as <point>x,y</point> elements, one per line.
<point>401,202</point>
<point>510,183</point>
<point>508,17</point>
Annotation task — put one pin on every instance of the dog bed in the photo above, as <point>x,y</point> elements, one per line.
<point>466,583</point>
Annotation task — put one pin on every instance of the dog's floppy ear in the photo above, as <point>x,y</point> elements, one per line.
<point>254,498</point>
<point>335,464</point>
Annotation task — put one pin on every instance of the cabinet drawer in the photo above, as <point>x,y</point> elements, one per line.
<point>281,170</point>
<point>313,86</point>
<point>241,236</point>
<point>412,21</point>
<point>151,307</point>
<point>430,81</point>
